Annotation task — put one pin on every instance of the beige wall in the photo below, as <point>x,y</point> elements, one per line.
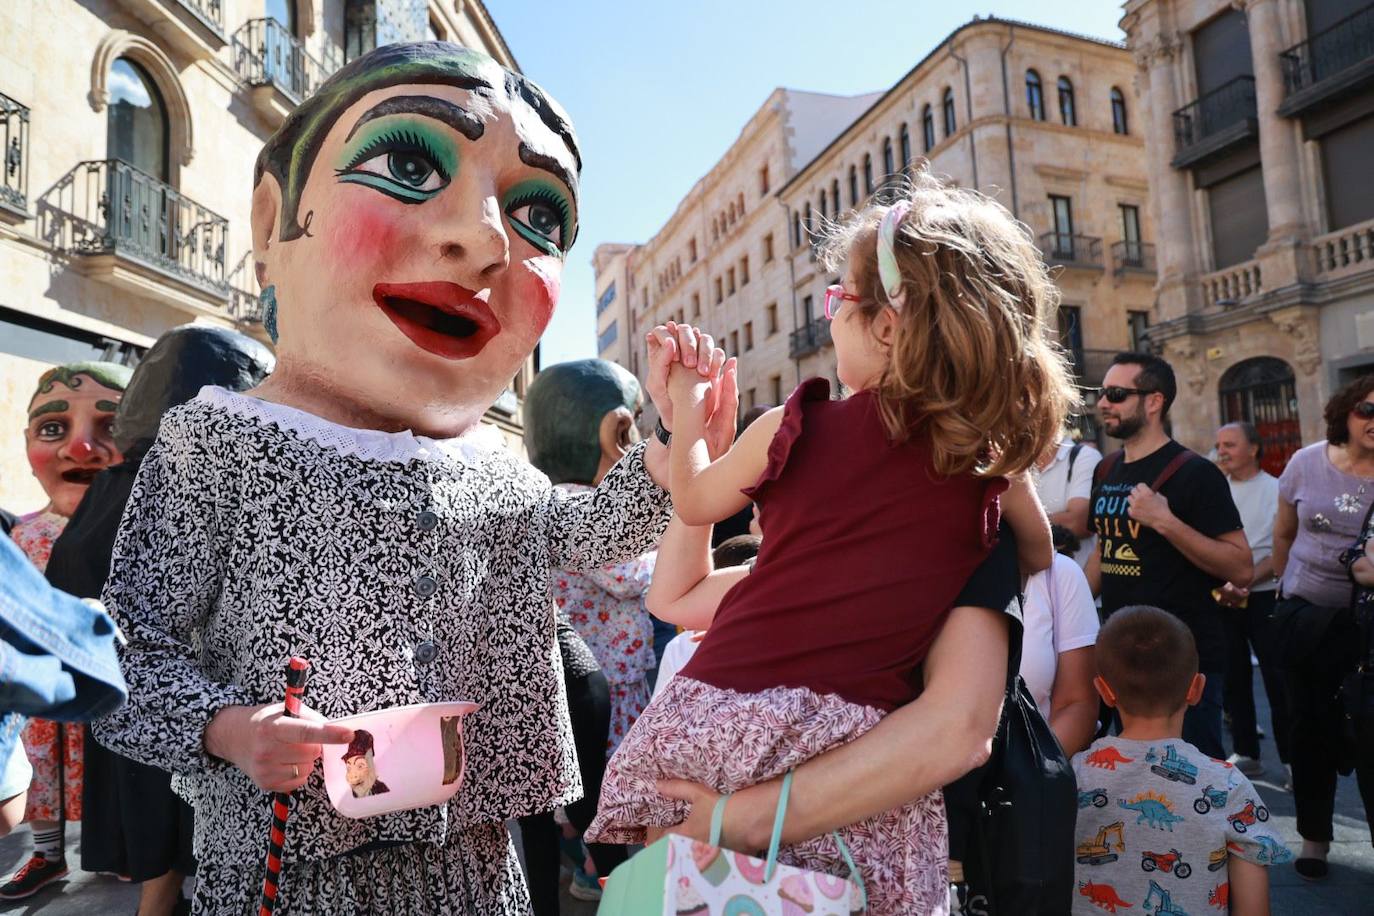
<point>50,61</point>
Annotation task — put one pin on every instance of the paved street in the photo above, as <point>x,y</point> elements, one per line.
<point>1349,891</point>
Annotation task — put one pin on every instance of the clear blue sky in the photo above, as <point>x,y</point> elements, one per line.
<point>659,90</point>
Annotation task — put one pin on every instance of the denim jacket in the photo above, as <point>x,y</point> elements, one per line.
<point>57,655</point>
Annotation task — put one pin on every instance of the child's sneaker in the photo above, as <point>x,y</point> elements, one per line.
<point>36,874</point>
<point>584,886</point>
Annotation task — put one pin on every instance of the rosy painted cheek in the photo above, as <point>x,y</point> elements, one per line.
<point>536,290</point>
<point>367,237</point>
<point>44,461</point>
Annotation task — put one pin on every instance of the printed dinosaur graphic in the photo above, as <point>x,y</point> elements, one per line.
<point>1154,810</point>
<point>1107,758</point>
<point>1101,895</point>
<point>1271,851</point>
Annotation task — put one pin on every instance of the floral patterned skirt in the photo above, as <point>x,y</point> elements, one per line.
<point>628,700</point>
<point>729,741</point>
<point>55,751</point>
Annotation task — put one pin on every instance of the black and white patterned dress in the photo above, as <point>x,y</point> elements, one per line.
<point>407,570</point>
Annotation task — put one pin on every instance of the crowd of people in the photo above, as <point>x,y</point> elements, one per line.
<point>891,635</point>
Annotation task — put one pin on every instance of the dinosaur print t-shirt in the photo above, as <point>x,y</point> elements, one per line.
<point>1157,823</point>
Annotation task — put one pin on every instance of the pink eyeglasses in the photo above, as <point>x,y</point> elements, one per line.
<point>834,295</point>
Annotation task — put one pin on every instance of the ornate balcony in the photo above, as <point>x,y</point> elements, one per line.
<point>1329,65</point>
<point>14,179</point>
<point>1133,257</point>
<point>195,27</point>
<point>1066,249</point>
<point>276,67</point>
<point>1345,252</point>
<point>245,306</point>
<point>1230,286</point>
<point>1217,123</point>
<point>132,230</point>
<point>809,338</point>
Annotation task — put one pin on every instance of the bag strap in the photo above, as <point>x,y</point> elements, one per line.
<point>1104,467</point>
<point>1173,467</point>
<point>775,841</point>
<point>1073,456</point>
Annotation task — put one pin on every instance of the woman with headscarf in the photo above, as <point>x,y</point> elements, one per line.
<point>68,442</point>
<point>134,825</point>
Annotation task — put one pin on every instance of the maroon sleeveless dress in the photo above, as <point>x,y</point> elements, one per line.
<point>864,550</point>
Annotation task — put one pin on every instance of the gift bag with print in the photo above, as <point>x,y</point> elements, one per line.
<point>678,876</point>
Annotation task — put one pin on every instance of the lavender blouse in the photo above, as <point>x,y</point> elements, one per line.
<point>1331,506</point>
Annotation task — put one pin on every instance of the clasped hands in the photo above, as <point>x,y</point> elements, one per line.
<point>687,371</point>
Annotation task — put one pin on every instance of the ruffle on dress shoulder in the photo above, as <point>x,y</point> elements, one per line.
<point>815,389</point>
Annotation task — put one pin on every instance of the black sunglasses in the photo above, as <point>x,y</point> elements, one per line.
<point>1364,410</point>
<point>1115,394</point>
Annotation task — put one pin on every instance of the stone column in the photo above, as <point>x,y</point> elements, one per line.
<point>1278,142</point>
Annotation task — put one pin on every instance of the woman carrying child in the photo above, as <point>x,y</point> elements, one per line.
<point>875,510</point>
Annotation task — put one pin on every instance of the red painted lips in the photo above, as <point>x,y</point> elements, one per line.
<point>444,318</point>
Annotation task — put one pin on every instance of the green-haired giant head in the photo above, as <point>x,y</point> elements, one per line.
<point>68,437</point>
<point>412,218</point>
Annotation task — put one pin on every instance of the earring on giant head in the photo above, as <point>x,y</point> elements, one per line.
<point>889,274</point>
<point>268,299</point>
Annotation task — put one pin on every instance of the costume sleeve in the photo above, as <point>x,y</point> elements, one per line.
<point>624,517</point>
<point>1250,834</point>
<point>164,580</point>
<point>626,580</point>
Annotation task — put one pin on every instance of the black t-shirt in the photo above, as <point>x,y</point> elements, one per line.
<point>1140,566</point>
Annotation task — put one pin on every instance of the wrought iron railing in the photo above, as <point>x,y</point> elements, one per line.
<point>14,131</point>
<point>1229,104</point>
<point>809,338</point>
<point>211,12</point>
<point>244,304</point>
<point>1343,45</point>
<point>1068,248</point>
<point>107,206</point>
<point>1129,255</point>
<point>267,54</point>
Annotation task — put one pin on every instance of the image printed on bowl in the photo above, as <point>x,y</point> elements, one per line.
<point>400,758</point>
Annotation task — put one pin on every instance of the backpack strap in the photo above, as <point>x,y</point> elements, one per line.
<point>1073,456</point>
<point>1173,467</point>
<point>1105,466</point>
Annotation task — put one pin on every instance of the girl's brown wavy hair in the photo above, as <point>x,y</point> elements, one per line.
<point>975,364</point>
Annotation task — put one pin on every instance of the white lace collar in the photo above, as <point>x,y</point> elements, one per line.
<point>369,444</point>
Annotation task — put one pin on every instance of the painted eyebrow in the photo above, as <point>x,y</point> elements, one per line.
<point>551,165</point>
<point>50,407</point>
<point>460,119</point>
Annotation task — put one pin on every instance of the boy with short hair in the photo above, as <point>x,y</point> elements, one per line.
<point>1162,827</point>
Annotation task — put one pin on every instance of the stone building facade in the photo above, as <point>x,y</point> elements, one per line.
<point>130,128</point>
<point>1261,126</point>
<point>1044,121</point>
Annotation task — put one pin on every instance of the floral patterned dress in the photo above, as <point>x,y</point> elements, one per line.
<point>606,608</point>
<point>53,748</point>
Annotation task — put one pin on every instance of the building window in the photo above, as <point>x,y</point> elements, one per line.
<point>741,205</point>
<point>692,250</point>
<point>835,196</point>
<point>889,166</point>
<point>775,383</point>
<point>1263,391</point>
<point>1066,111</point>
<point>796,229</point>
<point>696,305</point>
<point>752,400</point>
<point>853,187</point>
<point>868,174</point>
<point>806,310</point>
<point>1130,229</point>
<point>1061,211</point>
<point>1035,95</point>
<point>904,141</point>
<point>822,207</point>
<point>772,315</point>
<point>763,180</point>
<point>768,248</point>
<point>806,223</point>
<point>1119,124</point>
<point>44,341</point>
<point>744,270</point>
<point>360,28</point>
<point>434,31</point>
<point>606,338</point>
<point>606,298</point>
<point>947,105</point>
<point>136,126</point>
<point>927,129</point>
<point>730,281</point>
<point>1137,324</point>
<point>720,295</point>
<point>1071,333</point>
<point>748,336</point>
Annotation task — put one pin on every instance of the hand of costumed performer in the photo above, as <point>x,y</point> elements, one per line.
<point>276,751</point>
<point>681,345</point>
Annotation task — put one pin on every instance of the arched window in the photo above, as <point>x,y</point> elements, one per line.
<point>1035,95</point>
<point>136,125</point>
<point>1119,111</point>
<point>284,11</point>
<point>1262,391</point>
<point>360,27</point>
<point>796,229</point>
<point>806,222</point>
<point>853,186</point>
<point>889,164</point>
<point>835,195</point>
<point>927,129</point>
<point>904,141</point>
<point>1066,111</point>
<point>823,210</point>
<point>947,105</point>
<point>868,173</point>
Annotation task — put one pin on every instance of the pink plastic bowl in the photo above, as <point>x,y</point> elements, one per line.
<point>401,758</point>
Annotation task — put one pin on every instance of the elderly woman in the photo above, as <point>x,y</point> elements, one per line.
<point>410,223</point>
<point>1325,494</point>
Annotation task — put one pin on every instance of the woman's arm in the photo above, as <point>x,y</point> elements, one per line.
<point>1034,542</point>
<point>915,750</point>
<point>1073,701</point>
<point>1285,532</point>
<point>685,589</point>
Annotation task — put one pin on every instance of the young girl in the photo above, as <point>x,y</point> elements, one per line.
<point>875,510</point>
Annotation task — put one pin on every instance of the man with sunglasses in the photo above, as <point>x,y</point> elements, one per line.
<point>1168,530</point>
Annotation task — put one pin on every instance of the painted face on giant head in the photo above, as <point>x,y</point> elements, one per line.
<point>412,219</point>
<point>68,434</point>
